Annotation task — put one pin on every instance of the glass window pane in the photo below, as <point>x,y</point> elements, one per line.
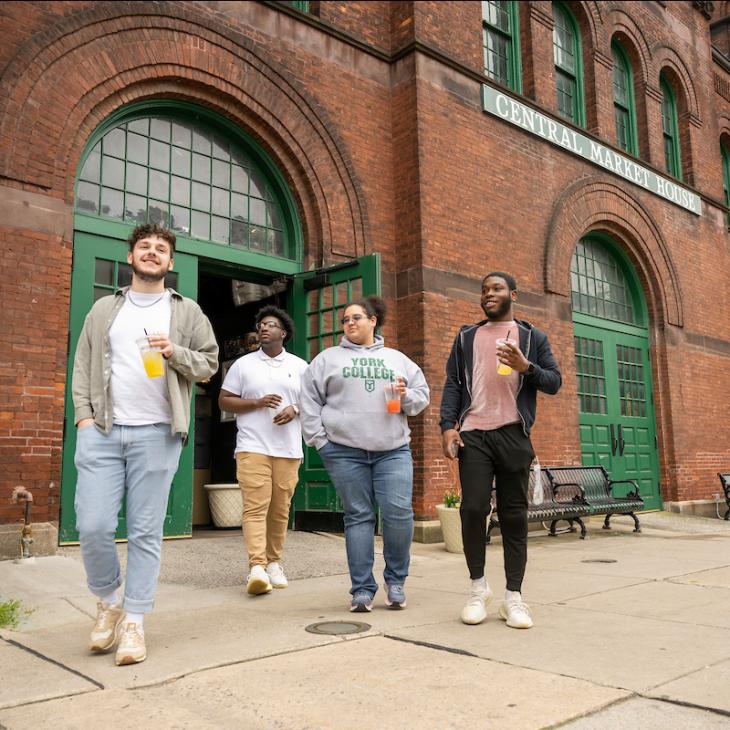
<point>258,186</point>
<point>124,275</point>
<point>112,172</point>
<point>221,174</point>
<point>201,225</point>
<point>103,272</point>
<point>112,203</point>
<point>137,148</point>
<point>160,129</point>
<point>201,141</point>
<point>180,191</point>
<point>219,229</point>
<point>201,196</point>
<point>201,168</point>
<point>159,155</point>
<point>181,134</point>
<point>87,197</point>
<point>136,179</point>
<point>274,216</point>
<point>257,236</point>
<point>258,212</point>
<point>220,201</point>
<point>135,208</point>
<point>159,185</point>
<point>141,126</point>
<point>220,149</point>
<point>239,206</point>
<point>157,212</point>
<point>99,292</point>
<point>239,179</point>
<point>181,162</point>
<point>276,243</point>
<point>179,219</point>
<point>113,143</point>
<point>92,166</point>
<point>239,234</point>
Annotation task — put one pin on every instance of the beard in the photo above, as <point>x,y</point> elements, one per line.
<point>499,312</point>
<point>147,277</point>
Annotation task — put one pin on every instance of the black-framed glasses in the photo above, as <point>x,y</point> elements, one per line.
<point>354,318</point>
<point>268,326</point>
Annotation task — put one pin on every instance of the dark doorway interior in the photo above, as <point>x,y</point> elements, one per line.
<point>231,305</point>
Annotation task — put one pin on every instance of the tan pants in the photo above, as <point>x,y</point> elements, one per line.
<point>267,484</point>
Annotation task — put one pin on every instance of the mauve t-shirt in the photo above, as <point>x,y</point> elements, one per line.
<point>494,397</point>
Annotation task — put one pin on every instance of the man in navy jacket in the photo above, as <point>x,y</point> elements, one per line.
<point>488,407</point>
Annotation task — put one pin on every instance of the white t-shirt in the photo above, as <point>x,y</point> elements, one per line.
<point>137,399</point>
<point>254,376</point>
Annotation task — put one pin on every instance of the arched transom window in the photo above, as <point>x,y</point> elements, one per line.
<point>187,177</point>
<point>599,285</point>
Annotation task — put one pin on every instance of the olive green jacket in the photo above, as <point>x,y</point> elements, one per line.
<point>194,358</point>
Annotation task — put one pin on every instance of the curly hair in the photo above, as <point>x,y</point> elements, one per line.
<point>284,319</point>
<point>151,229</point>
<point>372,306</point>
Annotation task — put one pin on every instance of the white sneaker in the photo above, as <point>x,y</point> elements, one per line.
<point>475,610</point>
<point>276,575</point>
<point>515,611</point>
<point>106,629</point>
<point>258,581</point>
<point>131,649</point>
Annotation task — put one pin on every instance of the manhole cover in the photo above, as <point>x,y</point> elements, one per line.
<point>336,628</point>
<point>599,560</point>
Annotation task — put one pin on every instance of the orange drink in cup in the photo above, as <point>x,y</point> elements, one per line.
<point>503,369</point>
<point>392,398</point>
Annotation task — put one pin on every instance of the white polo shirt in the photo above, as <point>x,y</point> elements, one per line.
<point>254,376</point>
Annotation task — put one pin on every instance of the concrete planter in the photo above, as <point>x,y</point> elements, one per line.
<point>450,528</point>
<point>226,504</point>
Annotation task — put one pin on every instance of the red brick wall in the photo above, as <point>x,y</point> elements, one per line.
<point>395,157</point>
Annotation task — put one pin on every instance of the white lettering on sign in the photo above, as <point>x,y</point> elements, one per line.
<point>533,121</point>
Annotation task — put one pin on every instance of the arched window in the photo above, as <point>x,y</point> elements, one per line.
<point>501,39</point>
<point>568,65</point>
<point>725,157</point>
<point>624,108</point>
<point>188,177</point>
<point>670,130</point>
<point>599,286</point>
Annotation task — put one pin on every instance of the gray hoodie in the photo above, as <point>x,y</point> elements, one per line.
<point>343,400</point>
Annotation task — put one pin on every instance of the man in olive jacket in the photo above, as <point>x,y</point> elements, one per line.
<point>139,352</point>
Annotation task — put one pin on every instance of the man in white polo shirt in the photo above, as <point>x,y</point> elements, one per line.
<point>262,389</point>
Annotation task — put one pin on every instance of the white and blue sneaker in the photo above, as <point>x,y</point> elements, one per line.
<point>362,602</point>
<point>395,597</point>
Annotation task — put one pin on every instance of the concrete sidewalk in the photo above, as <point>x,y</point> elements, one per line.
<point>630,631</point>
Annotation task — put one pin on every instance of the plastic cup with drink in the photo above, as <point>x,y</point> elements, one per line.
<point>152,360</point>
<point>392,394</point>
<point>503,368</point>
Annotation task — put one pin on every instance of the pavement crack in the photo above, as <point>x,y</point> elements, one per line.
<point>691,705</point>
<point>429,645</point>
<point>48,659</point>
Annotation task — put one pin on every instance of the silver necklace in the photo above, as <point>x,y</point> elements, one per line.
<point>144,306</point>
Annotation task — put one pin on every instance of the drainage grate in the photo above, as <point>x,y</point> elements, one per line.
<point>337,628</point>
<point>599,560</point>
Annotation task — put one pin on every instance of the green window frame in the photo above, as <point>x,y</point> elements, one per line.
<point>184,173</point>
<point>302,5</point>
<point>624,106</point>
<point>568,59</point>
<point>725,157</point>
<point>670,130</point>
<point>501,43</point>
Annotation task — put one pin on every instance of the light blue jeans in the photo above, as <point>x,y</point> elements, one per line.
<point>141,460</point>
<point>364,480</point>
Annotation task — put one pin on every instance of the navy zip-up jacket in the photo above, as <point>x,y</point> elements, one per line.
<point>456,399</point>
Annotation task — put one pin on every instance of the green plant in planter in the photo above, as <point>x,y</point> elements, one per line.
<point>452,499</point>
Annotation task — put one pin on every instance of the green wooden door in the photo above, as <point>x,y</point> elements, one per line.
<point>99,267</point>
<point>318,299</point>
<point>615,403</point>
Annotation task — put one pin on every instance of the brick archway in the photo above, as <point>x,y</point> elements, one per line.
<point>596,204</point>
<point>65,85</point>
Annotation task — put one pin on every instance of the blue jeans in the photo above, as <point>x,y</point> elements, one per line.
<point>364,479</point>
<point>141,460</point>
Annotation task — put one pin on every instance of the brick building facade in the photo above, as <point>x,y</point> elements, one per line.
<point>369,118</point>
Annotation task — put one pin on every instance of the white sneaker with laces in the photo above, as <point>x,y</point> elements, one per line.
<point>258,581</point>
<point>480,596</point>
<point>515,611</point>
<point>131,649</point>
<point>276,575</point>
<point>106,629</point>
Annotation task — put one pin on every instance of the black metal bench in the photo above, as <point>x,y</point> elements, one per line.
<point>552,505</point>
<point>725,481</point>
<point>597,491</point>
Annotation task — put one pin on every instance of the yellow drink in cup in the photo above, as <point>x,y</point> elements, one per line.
<point>152,360</point>
<point>503,369</point>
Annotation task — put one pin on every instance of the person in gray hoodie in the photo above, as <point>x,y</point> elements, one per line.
<point>354,402</point>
